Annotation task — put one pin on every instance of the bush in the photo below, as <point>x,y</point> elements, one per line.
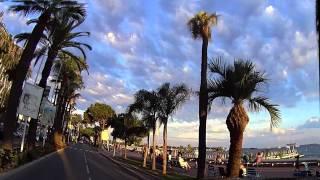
<point>11,159</point>
<point>7,159</point>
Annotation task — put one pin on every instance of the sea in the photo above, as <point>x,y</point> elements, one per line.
<point>309,150</point>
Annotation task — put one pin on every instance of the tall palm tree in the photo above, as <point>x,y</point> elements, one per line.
<point>47,9</point>
<point>239,83</point>
<point>200,27</point>
<point>171,99</point>
<point>147,103</point>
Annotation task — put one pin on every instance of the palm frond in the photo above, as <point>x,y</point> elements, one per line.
<point>202,21</point>
<point>26,7</point>
<point>217,66</point>
<point>40,52</point>
<point>255,104</point>
<point>32,21</point>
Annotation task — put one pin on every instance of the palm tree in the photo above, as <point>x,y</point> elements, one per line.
<point>71,81</point>
<point>239,83</point>
<point>59,40</point>
<point>147,104</point>
<point>149,127</point>
<point>171,99</point>
<point>200,27</point>
<point>47,9</point>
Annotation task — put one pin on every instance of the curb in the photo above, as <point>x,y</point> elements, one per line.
<point>132,172</point>
<point>20,168</point>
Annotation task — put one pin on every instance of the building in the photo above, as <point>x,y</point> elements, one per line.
<point>9,57</point>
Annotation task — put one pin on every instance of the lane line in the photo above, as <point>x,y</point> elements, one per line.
<point>87,166</point>
<point>87,169</point>
<point>85,158</point>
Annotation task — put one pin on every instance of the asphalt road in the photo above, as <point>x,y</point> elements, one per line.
<point>77,162</point>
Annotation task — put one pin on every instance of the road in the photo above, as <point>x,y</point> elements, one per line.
<point>76,162</point>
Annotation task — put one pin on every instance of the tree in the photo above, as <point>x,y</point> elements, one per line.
<point>239,83</point>
<point>147,103</point>
<point>127,128</point>
<point>200,27</point>
<point>87,132</point>
<point>189,148</point>
<point>47,10</point>
<point>100,112</point>
<point>59,40</point>
<point>75,119</point>
<point>171,98</point>
<point>69,74</point>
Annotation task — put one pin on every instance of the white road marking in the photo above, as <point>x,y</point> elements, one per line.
<point>85,157</point>
<point>87,169</point>
<point>87,166</point>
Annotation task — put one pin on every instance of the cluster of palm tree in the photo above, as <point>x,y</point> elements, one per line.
<point>68,73</point>
<point>158,106</point>
<point>53,37</point>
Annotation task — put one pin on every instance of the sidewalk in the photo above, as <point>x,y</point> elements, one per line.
<point>134,163</point>
<point>131,169</point>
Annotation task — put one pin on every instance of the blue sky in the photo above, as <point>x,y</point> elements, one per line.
<point>142,44</point>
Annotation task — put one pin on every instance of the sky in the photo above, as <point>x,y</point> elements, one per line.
<point>142,44</point>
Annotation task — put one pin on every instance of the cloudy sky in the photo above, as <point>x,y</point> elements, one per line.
<point>142,44</point>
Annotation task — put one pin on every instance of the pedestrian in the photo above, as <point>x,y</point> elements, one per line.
<point>243,171</point>
<point>151,153</point>
<point>169,158</point>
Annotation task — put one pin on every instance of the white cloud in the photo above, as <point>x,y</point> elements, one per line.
<point>269,10</point>
<point>110,37</point>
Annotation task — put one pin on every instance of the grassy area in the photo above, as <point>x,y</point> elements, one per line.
<point>138,164</point>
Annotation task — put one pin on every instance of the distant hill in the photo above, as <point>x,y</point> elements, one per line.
<point>310,150</point>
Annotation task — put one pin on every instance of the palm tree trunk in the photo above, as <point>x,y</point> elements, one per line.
<point>58,133</point>
<point>203,111</point>
<point>145,155</point>
<point>148,139</point>
<point>154,149</point>
<point>125,149</point>
<point>47,69</point>
<point>18,79</point>
<point>164,157</point>
<point>114,147</point>
<point>237,121</point>
<point>32,132</point>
